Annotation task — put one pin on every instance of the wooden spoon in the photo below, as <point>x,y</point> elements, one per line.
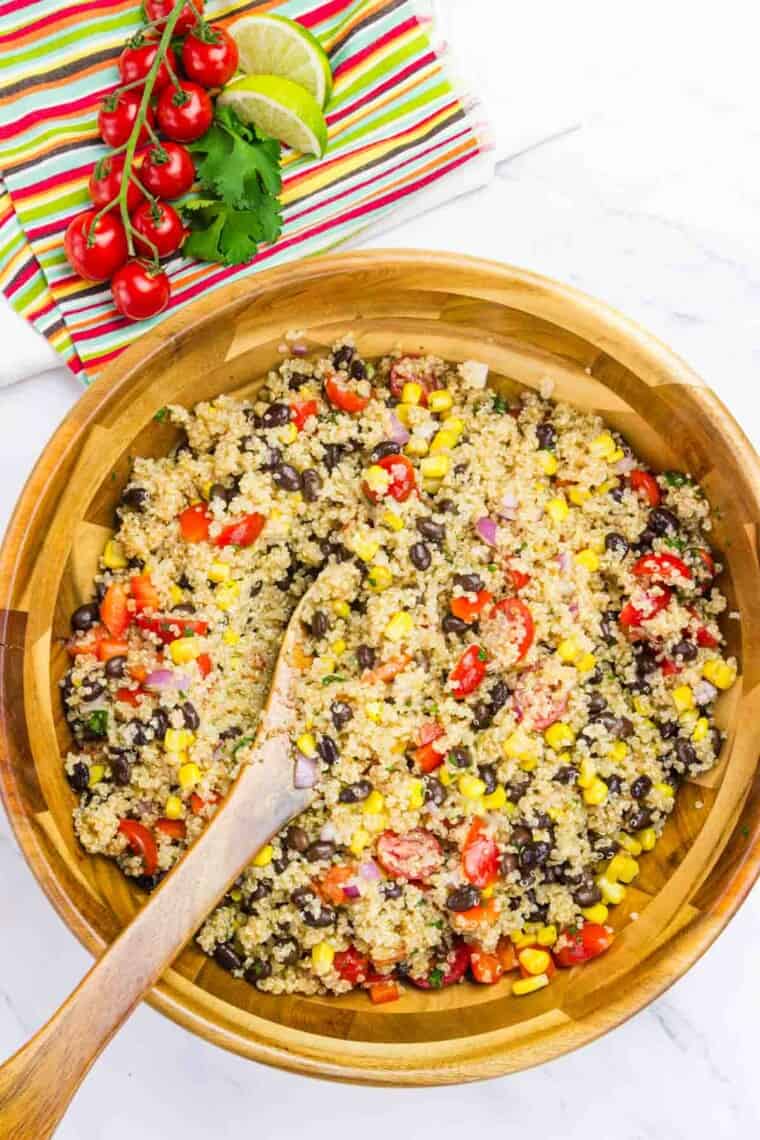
<point>38,1081</point>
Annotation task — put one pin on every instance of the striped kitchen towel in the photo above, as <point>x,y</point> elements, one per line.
<point>402,135</point>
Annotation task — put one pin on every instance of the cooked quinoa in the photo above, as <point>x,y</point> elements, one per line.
<point>509,669</point>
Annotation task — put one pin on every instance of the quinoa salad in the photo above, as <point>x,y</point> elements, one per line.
<point>509,669</point>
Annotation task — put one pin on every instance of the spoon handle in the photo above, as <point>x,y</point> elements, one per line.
<point>37,1083</point>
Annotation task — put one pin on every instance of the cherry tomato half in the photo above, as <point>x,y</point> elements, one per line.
<point>139,291</point>
<point>105,183</point>
<point>448,972</point>
<point>142,843</point>
<point>667,567</point>
<point>468,672</point>
<point>117,117</point>
<point>467,610</point>
<point>300,410</point>
<point>521,629</point>
<point>645,482</point>
<point>582,945</point>
<point>172,828</point>
<point>426,756</point>
<point>486,968</point>
<point>209,55</point>
<point>241,533</point>
<point>114,612</point>
<point>402,480</point>
<point>480,856</point>
<point>184,113</point>
<point>136,61</point>
<point>160,224</point>
<point>157,11</point>
<point>96,251</point>
<point>194,522</point>
<point>167,170</point>
<point>414,856</point>
<point>344,398</point>
<point>168,629</point>
<point>352,966</point>
<point>632,616</point>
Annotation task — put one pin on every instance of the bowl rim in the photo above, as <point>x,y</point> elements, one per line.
<point>493,1054</point>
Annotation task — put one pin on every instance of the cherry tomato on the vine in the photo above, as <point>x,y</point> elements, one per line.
<point>157,11</point>
<point>185,112</point>
<point>160,224</point>
<point>96,251</point>
<point>139,291</point>
<point>209,55</point>
<point>137,59</point>
<point>117,117</point>
<point>167,170</point>
<point>105,183</point>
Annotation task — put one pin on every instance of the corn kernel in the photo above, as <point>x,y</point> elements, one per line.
<point>519,745</point>
<point>97,772</point>
<point>641,705</point>
<point>342,609</point>
<point>719,673</point>
<point>596,792</point>
<point>174,808</point>
<point>495,799</point>
<point>603,447</point>
<point>322,957</point>
<point>647,838</point>
<point>534,961</point>
<point>622,867</point>
<point>548,462</point>
<point>701,729</point>
<point>628,843</point>
<point>359,840</point>
<point>586,662</point>
<point>185,649</point>
<point>471,787</point>
<point>416,797</point>
<point>431,486</point>
<point>612,893</point>
<point>525,986</point>
<point>218,572</point>
<point>557,510</point>
<point>586,772</point>
<point>443,440</point>
<point>588,559</point>
<point>567,650</point>
<point>377,822</point>
<point>683,698</point>
<point>365,548</point>
<point>189,775</point>
<point>176,596</point>
<point>393,521</point>
<point>374,803</point>
<point>417,446</point>
<point>522,938</point>
<point>444,776</point>
<point>374,711</point>
<point>619,751</point>
<point>488,892</point>
<point>399,626</point>
<point>230,637</point>
<point>596,913</point>
<point>607,486</point>
<point>664,789</point>
<point>411,393</point>
<point>379,577</point>
<point>377,479</point>
<point>226,593</point>
<point>178,739</point>
<point>263,856</point>
<point>434,466</point>
<point>289,434</point>
<point>559,735</point>
<point>401,412</point>
<point>578,496</point>
<point>306,744</point>
<point>113,555</point>
<point>440,400</point>
<point>547,935</point>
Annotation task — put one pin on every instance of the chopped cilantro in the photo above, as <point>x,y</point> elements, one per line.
<point>161,415</point>
<point>244,740</point>
<point>97,722</point>
<point>482,655</point>
<point>675,478</point>
<point>435,978</point>
<point>500,405</point>
<point>331,678</point>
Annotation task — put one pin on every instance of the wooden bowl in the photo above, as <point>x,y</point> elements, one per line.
<point>526,328</point>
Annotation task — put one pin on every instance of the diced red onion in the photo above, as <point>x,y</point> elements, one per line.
<point>398,432</point>
<point>563,560</point>
<point>166,679</point>
<point>369,870</point>
<point>351,891</point>
<point>306,771</point>
<point>487,528</point>
<point>573,608</point>
<point>299,348</point>
<point>704,692</point>
<point>625,465</point>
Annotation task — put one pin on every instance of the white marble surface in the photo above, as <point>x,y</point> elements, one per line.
<point>654,207</point>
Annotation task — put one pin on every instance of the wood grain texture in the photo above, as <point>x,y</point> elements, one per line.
<point>527,329</point>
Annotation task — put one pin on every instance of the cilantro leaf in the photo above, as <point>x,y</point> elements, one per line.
<point>233,162</point>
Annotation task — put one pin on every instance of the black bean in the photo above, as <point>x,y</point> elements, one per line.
<point>431,530</point>
<point>297,380</point>
<point>311,484</point>
<point>333,455</point>
<point>190,716</point>
<point>509,863</point>
<point>319,624</point>
<point>382,450</point>
<point>227,958</point>
<point>289,952</point>
<point>343,356</point>
<point>534,854</point>
<point>85,617</point>
<point>219,491</point>
<point>641,787</point>
<point>597,704</point>
<point>159,722</point>
<point>231,733</point>
<point>595,677</point>
<point>487,773</point>
<point>392,890</point>
<point>296,838</point>
<point>460,757</point>
<point>686,753</point>
<point>646,659</point>
<point>149,882</point>
<point>276,415</point>
<point>358,369</point>
<point>546,436</point>
<point>257,971</point>
<point>341,713</point>
<point>624,728</point>
<point>91,689</point>
<point>134,497</point>
<point>365,656</point>
<point>137,733</point>
<point>566,774</point>
<point>446,506</point>
<point>328,750</point>
<point>637,818</point>
<point>498,696</point>
<point>608,626</point>
<point>614,784</point>
<point>588,894</point>
<point>470,583</point>
<point>325,916</point>
<point>616,544</point>
<point>685,649</point>
<point>463,898</point>
<point>79,777</point>
<point>303,897</point>
<point>435,793</point>
<point>520,835</point>
<point>121,769</point>
<point>517,788</point>
<point>451,624</point>
<point>272,460</point>
<point>355,793</point>
<point>115,667</point>
<point>669,729</point>
<point>663,521</point>
<point>260,891</point>
<point>482,715</point>
<point>287,478</point>
<point>319,850</point>
<point>645,540</point>
<point>419,555</point>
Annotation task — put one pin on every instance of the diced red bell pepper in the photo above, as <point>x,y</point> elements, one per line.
<point>344,398</point>
<point>486,968</point>
<point>664,566</point>
<point>204,663</point>
<point>197,804</point>
<point>194,523</point>
<point>142,843</point>
<point>244,532</point>
<point>300,410</point>
<point>706,639</point>
<point>86,642</point>
<point>425,755</point>
<point>332,883</point>
<point>114,611</point>
<point>173,828</point>
<point>144,593</point>
<point>632,616</point>
<point>403,482</point>
<point>668,668</point>
<point>520,622</point>
<point>381,992</point>
<point>517,578</point>
<point>646,484</point>
<point>480,856</point>
<point>109,647</point>
<point>169,628</point>
<point>468,672</point>
<point>352,966</point>
<point>574,948</point>
<point>466,609</point>
<point>130,696</point>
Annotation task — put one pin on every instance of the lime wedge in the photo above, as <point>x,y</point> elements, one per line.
<point>280,108</point>
<point>275,45</point>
